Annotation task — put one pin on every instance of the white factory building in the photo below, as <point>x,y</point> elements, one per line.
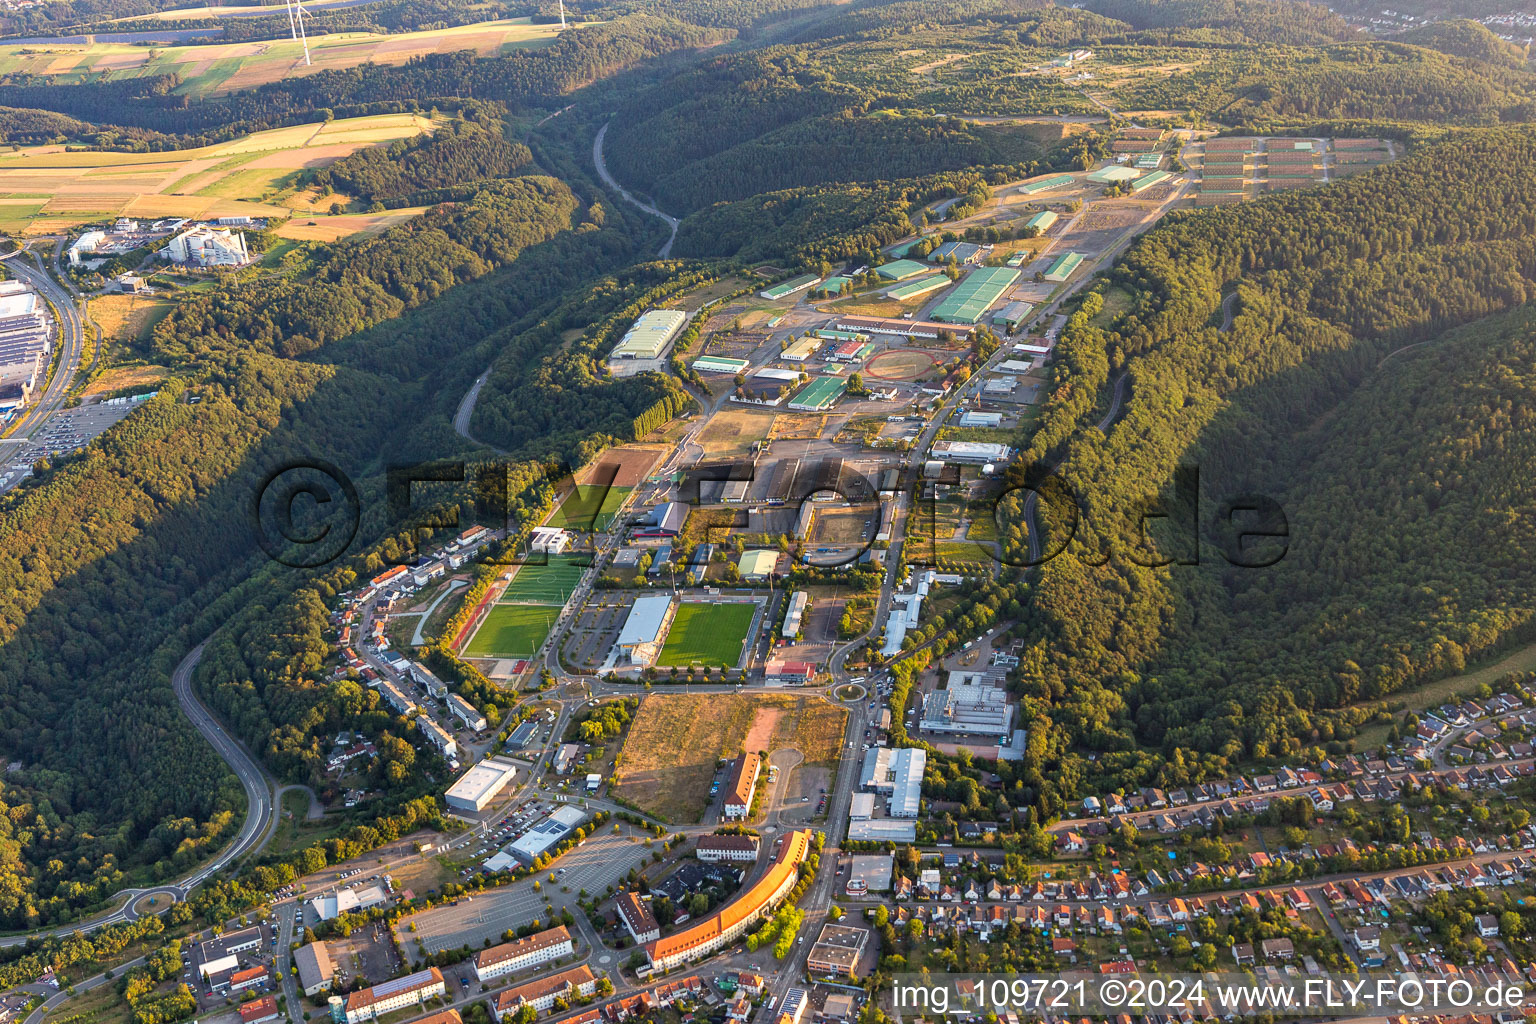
<point>208,247</point>
<point>476,788</point>
<point>971,453</point>
<point>904,614</point>
<point>896,774</point>
<point>644,630</point>
<point>650,335</point>
<point>972,703</point>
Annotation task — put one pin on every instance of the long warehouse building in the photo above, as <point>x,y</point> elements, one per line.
<point>650,335</point>
<point>732,920</point>
<point>975,295</point>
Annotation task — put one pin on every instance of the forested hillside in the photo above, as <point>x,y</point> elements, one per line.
<point>400,174</point>
<point>1292,403</point>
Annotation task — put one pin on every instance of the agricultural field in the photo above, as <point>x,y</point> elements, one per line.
<point>212,68</point>
<point>676,741</point>
<point>48,188</point>
<point>707,634</point>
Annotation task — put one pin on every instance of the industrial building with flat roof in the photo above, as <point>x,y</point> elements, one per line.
<point>1062,267</point>
<point>545,835</point>
<point>896,774</point>
<point>643,631</point>
<point>798,601</point>
<point>838,948</point>
<point>1030,188</point>
<point>900,270</point>
<point>476,788</point>
<point>918,286</point>
<point>820,394</point>
<point>883,830</point>
<point>801,349</point>
<point>785,289</point>
<point>973,296</point>
<point>970,453</point>
<point>649,336</point>
<point>733,919</point>
<point>538,948</point>
<point>971,704</point>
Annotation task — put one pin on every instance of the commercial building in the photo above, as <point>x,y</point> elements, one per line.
<point>905,609</point>
<point>758,564</point>
<point>970,453</point>
<point>801,349</point>
<point>799,601</point>
<point>1056,181</point>
<point>963,253</point>
<point>208,247</point>
<point>637,917</point>
<point>868,873</point>
<point>541,993</point>
<point>720,364</point>
<point>644,630</point>
<point>981,419</point>
<point>545,835</point>
<point>1042,221</point>
<point>781,672</point>
<point>901,270</point>
<point>465,712</point>
<point>549,539</point>
<point>437,736</point>
<point>664,520</point>
<point>1062,267</point>
<point>388,996</point>
<point>785,289</point>
<point>529,951</point>
<point>733,919</point>
<point>1012,315</point>
<point>649,336</point>
<point>896,774</point>
<point>838,947</point>
<point>249,978</point>
<point>714,849</point>
<point>475,789</point>
<point>741,786</point>
<point>315,969</point>
<point>973,296</point>
<point>861,806</point>
<point>972,704</point>
<point>883,830</point>
<point>344,901</point>
<point>820,394</point>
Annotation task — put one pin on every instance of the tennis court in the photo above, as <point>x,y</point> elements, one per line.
<point>707,634</point>
<point>589,507</point>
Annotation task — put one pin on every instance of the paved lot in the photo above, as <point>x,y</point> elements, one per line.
<point>65,431</point>
<point>597,864</point>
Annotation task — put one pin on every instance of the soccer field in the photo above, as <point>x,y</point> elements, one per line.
<point>707,634</point>
<point>512,631</point>
<point>550,583</point>
<point>589,507</point>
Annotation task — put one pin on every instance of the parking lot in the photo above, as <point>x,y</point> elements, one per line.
<point>598,863</point>
<point>64,432</point>
<point>367,953</point>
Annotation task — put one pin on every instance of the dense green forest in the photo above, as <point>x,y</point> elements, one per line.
<point>457,153</point>
<point>1294,403</point>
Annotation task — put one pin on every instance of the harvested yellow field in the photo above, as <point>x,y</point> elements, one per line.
<point>245,176</point>
<point>669,757</point>
<point>215,68</point>
<point>330,229</point>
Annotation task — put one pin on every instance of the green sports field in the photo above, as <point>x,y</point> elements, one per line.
<point>707,634</point>
<point>550,583</point>
<point>589,507</point>
<point>512,631</point>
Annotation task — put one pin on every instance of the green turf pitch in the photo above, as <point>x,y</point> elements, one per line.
<point>589,507</point>
<point>707,634</point>
<point>547,583</point>
<point>512,631</point>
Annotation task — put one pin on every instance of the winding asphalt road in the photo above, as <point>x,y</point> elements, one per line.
<point>602,172</point>
<point>24,266</point>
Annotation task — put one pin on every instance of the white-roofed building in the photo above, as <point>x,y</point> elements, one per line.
<point>971,703</point>
<point>798,602</point>
<point>476,788</point>
<point>896,773</point>
<point>641,637</point>
<point>208,247</point>
<point>650,335</point>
